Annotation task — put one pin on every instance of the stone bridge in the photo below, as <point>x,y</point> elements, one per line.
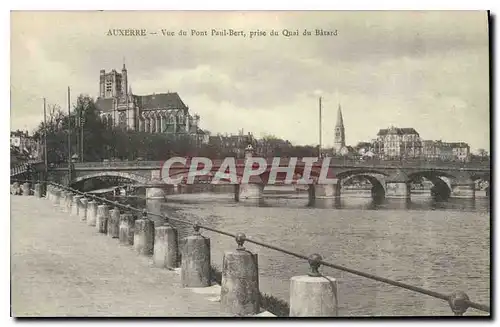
<point>390,179</point>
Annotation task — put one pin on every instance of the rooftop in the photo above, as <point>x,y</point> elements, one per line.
<point>397,131</point>
<point>153,101</point>
<point>161,101</point>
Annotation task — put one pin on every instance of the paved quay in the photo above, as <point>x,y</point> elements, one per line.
<point>62,267</point>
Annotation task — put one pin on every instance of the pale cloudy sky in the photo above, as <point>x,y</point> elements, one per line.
<point>427,70</point>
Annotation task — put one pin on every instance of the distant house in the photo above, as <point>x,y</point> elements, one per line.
<point>434,150</point>
<point>363,147</point>
<point>234,143</point>
<point>24,146</point>
<point>395,142</point>
<point>347,150</point>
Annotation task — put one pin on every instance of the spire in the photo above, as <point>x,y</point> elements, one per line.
<point>130,89</point>
<point>124,68</point>
<point>340,121</point>
<point>339,141</point>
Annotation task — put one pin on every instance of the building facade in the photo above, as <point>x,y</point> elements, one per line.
<point>24,145</point>
<point>234,143</point>
<point>398,143</point>
<point>430,150</point>
<point>447,151</point>
<point>270,147</point>
<point>153,113</point>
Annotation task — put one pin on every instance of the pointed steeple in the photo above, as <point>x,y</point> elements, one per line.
<point>339,141</point>
<point>340,121</point>
<point>124,80</point>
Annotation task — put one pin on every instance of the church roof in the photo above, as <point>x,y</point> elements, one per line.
<point>147,102</point>
<point>162,101</point>
<point>397,130</point>
<point>104,105</point>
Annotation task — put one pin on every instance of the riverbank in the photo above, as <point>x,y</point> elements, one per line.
<point>423,248</point>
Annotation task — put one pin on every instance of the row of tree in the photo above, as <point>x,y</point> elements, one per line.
<point>101,142</point>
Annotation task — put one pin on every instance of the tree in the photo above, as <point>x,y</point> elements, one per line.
<point>84,115</point>
<point>482,153</point>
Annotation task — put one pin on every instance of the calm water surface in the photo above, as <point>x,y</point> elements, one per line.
<point>442,247</point>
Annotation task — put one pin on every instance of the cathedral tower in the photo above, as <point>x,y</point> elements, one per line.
<point>110,84</point>
<point>124,81</point>
<point>339,141</point>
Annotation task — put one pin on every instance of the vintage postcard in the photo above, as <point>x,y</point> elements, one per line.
<point>250,163</point>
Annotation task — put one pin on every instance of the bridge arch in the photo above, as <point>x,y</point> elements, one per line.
<point>374,177</point>
<point>442,181</point>
<point>482,182</point>
<point>125,175</point>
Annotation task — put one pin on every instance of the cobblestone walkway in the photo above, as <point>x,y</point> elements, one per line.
<point>62,267</point>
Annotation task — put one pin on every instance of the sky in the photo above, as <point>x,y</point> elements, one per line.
<point>426,70</point>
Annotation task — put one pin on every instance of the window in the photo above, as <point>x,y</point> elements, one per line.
<point>123,120</point>
<point>109,86</point>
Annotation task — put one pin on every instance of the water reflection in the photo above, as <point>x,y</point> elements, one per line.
<point>411,242</point>
<point>420,242</point>
<point>346,202</point>
<point>350,200</point>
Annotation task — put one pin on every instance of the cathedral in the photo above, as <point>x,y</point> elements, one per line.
<point>153,113</point>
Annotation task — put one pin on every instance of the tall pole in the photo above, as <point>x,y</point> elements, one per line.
<point>45,137</point>
<point>69,133</point>
<point>319,150</point>
<point>77,133</point>
<point>81,130</point>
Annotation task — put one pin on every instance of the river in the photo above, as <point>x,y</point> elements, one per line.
<point>443,247</point>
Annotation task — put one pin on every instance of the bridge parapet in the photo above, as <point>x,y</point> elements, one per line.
<point>80,165</point>
<point>334,162</point>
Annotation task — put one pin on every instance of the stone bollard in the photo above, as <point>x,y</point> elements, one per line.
<point>165,247</point>
<point>240,293</point>
<point>102,218</point>
<point>82,211</point>
<point>56,197</point>
<point>114,222</point>
<point>53,191</point>
<point>69,201</point>
<point>195,265</point>
<point>48,193</point>
<point>92,213</point>
<point>144,233</point>
<point>313,295</point>
<point>62,200</point>
<point>26,189</point>
<point>15,189</point>
<point>38,190</point>
<point>75,206</point>
<point>126,232</point>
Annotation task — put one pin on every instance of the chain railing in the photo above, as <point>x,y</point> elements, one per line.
<point>458,301</point>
